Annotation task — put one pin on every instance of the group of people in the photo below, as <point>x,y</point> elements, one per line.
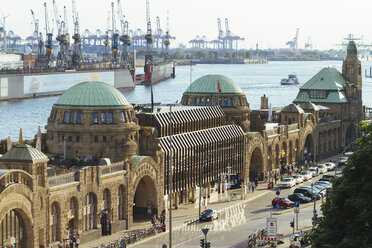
<point>72,242</point>
<point>253,185</point>
<point>161,219</point>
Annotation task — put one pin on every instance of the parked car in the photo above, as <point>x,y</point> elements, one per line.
<point>299,197</point>
<point>313,171</point>
<point>307,175</point>
<point>298,179</point>
<point>283,202</point>
<point>288,182</point>
<point>208,214</point>
<point>323,184</point>
<point>330,166</point>
<point>330,176</point>
<point>326,179</point>
<point>342,161</point>
<point>348,154</point>
<point>306,192</point>
<point>322,168</point>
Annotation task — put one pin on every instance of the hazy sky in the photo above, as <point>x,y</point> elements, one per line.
<point>271,23</point>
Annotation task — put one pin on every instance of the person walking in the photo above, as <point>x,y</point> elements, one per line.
<point>77,241</point>
<point>253,186</point>
<point>249,187</point>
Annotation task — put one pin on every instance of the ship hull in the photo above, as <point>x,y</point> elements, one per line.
<point>19,86</point>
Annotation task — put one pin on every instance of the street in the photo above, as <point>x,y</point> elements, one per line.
<point>236,223</point>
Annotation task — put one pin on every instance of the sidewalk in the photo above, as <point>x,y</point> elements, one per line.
<point>185,214</point>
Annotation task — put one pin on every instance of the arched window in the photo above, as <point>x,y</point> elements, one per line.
<point>121,207</point>
<point>225,101</point>
<point>219,101</point>
<point>54,216</point>
<point>106,199</point>
<point>207,102</point>
<point>196,101</point>
<point>231,102</point>
<point>90,210</point>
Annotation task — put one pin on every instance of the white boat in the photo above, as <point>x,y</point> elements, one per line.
<point>291,80</point>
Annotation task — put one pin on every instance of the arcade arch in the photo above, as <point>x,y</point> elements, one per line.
<point>145,202</point>
<point>73,214</point>
<point>309,148</point>
<point>256,166</point>
<point>14,225</point>
<point>55,220</point>
<point>121,202</point>
<point>350,134</point>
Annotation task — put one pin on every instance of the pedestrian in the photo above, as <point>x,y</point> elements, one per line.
<point>249,187</point>
<point>276,177</point>
<point>256,182</point>
<point>77,241</point>
<point>153,220</point>
<point>266,176</point>
<point>253,186</point>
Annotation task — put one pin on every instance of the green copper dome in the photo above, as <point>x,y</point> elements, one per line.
<point>92,94</point>
<point>209,84</point>
<point>351,46</point>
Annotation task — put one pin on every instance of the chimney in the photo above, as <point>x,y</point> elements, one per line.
<point>264,102</point>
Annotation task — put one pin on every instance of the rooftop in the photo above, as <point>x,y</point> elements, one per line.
<point>92,94</point>
<point>214,84</point>
<point>24,152</point>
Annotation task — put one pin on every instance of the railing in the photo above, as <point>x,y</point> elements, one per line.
<point>107,169</point>
<point>61,179</point>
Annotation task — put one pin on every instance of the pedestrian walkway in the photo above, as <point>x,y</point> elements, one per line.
<point>185,214</point>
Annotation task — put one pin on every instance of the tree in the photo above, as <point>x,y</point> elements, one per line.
<point>348,210</point>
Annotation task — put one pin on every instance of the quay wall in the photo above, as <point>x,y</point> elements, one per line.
<point>18,86</point>
<point>161,72</point>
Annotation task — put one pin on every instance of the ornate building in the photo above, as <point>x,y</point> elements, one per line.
<point>128,151</point>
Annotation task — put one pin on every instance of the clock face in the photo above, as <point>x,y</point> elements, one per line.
<point>350,69</point>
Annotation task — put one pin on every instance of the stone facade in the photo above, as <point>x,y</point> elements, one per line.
<point>213,133</point>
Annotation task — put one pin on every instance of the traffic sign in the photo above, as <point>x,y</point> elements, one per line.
<point>277,193</point>
<point>205,231</point>
<point>296,204</point>
<point>271,226</point>
<point>277,206</point>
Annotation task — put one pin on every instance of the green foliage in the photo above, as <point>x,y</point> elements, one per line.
<point>348,210</point>
<point>74,161</point>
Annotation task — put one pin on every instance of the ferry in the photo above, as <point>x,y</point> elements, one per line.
<point>291,80</point>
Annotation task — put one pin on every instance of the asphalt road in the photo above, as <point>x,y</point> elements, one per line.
<point>235,224</point>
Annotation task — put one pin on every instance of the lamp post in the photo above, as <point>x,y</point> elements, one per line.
<point>170,172</point>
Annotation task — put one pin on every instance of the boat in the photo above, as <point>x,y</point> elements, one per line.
<point>291,80</point>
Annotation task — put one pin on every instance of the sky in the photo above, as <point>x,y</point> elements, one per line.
<point>270,23</point>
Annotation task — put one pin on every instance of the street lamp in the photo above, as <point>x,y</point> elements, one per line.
<point>170,172</point>
<point>314,211</point>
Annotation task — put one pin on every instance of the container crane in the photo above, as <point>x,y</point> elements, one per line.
<point>125,38</point>
<point>148,38</point>
<point>293,44</point>
<point>166,40</point>
<point>220,39</point>
<point>61,38</point>
<point>3,34</point>
<point>115,38</point>
<point>49,39</point>
<point>66,26</point>
<point>77,57</point>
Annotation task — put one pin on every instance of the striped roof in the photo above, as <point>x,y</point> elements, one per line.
<point>23,152</point>
<point>201,137</point>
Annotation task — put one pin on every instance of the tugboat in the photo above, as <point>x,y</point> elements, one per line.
<point>291,80</point>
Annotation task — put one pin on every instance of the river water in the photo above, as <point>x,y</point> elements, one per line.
<point>254,79</point>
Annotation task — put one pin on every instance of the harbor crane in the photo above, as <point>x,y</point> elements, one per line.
<point>308,44</point>
<point>114,38</point>
<point>230,40</point>
<point>35,34</point>
<point>149,39</point>
<point>61,38</point>
<point>125,38</point>
<point>77,57</point>
<point>49,39</point>
<point>293,44</point>
<point>106,42</point>
<point>3,34</point>
<point>220,38</point>
<point>166,40</point>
